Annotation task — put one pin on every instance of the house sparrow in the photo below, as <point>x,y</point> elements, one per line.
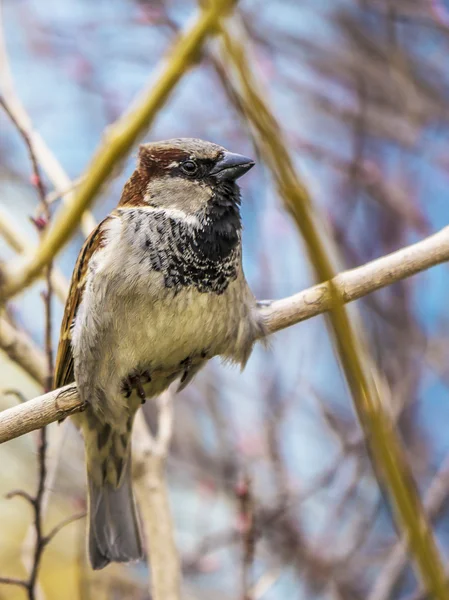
<point>157,290</point>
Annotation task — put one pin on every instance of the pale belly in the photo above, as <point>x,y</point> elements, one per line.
<point>168,337</point>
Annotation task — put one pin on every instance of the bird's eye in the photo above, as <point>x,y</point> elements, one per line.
<point>190,167</point>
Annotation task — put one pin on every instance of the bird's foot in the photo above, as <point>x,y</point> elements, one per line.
<point>134,381</point>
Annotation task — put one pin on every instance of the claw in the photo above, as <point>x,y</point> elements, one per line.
<point>187,364</point>
<point>134,381</point>
<point>147,376</point>
<point>140,390</point>
<point>127,388</point>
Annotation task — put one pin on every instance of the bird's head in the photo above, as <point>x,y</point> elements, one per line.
<point>189,175</point>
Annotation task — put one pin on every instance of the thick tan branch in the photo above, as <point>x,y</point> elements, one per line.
<point>152,495</point>
<point>279,314</point>
<point>39,412</point>
<point>359,282</point>
<point>116,143</point>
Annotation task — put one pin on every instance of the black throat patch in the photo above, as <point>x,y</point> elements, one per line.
<point>205,256</point>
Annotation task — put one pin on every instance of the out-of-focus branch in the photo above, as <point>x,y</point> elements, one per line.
<point>41,227</point>
<point>396,561</point>
<point>387,453</point>
<point>36,537</point>
<point>21,350</point>
<point>359,282</point>
<point>46,158</point>
<point>247,526</point>
<point>19,242</point>
<point>278,314</point>
<point>149,455</point>
<point>116,143</point>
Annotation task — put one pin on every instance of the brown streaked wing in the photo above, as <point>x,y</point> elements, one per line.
<point>64,369</point>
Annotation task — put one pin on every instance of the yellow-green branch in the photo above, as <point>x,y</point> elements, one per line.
<point>385,446</point>
<point>117,142</point>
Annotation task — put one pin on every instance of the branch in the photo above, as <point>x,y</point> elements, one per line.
<point>18,241</point>
<point>39,541</point>
<point>279,314</point>
<point>40,411</point>
<point>117,142</point>
<point>57,528</point>
<point>44,155</point>
<point>359,282</point>
<point>22,350</point>
<point>396,561</point>
<point>366,386</point>
<point>149,455</point>
<point>14,581</point>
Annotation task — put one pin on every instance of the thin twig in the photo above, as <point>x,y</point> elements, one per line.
<point>247,528</point>
<point>20,494</point>
<point>38,182</point>
<point>46,158</point>
<point>48,538</point>
<point>14,581</point>
<point>16,393</point>
<point>37,502</point>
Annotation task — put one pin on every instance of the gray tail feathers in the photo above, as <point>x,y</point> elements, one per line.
<point>113,526</point>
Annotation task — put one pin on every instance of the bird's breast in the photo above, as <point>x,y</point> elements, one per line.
<point>160,303</point>
<point>185,252</point>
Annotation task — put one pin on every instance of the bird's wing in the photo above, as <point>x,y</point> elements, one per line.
<point>64,368</point>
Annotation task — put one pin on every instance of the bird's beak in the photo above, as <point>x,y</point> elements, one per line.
<point>231,166</point>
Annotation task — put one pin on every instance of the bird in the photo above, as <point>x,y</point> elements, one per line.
<point>158,289</point>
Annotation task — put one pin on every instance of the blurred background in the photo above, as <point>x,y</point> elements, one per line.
<point>361,89</point>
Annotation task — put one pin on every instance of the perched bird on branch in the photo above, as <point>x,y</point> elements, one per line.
<point>158,289</point>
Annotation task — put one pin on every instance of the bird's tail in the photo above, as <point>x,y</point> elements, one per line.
<point>113,526</point>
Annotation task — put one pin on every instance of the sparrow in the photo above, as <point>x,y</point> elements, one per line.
<point>158,289</point>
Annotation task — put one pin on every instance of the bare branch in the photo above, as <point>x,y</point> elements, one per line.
<point>247,526</point>
<point>22,350</point>
<point>359,282</point>
<point>18,241</point>
<point>39,500</point>
<point>46,158</point>
<point>39,412</point>
<point>149,476</point>
<point>48,538</point>
<point>14,581</point>
<point>396,561</point>
<point>20,494</point>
